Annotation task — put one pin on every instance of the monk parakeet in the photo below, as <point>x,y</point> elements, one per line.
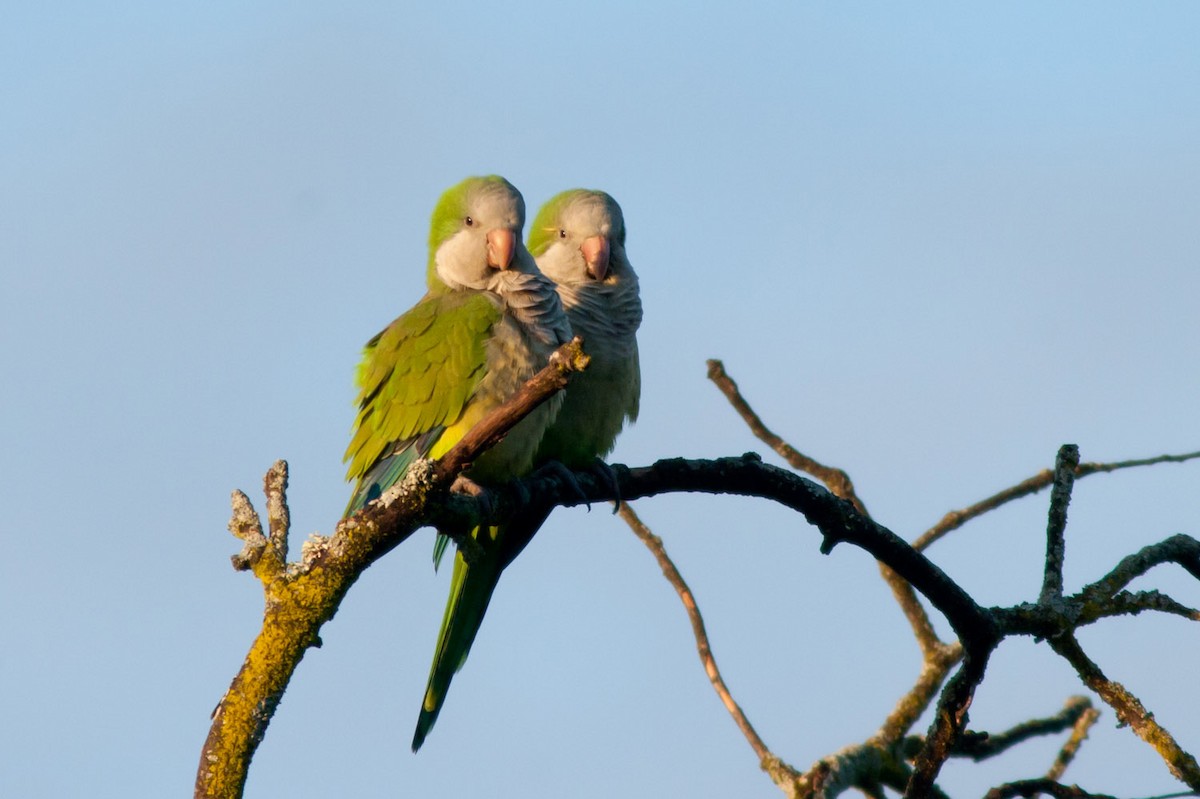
<point>578,240</point>
<point>488,322</point>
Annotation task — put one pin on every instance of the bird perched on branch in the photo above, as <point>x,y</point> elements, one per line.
<point>578,240</point>
<point>488,322</point>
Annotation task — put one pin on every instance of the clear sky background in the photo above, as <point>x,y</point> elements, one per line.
<point>931,243</point>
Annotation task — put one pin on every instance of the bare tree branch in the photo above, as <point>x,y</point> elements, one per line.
<point>1029,486</point>
<point>836,479</point>
<point>839,483</point>
<point>1180,549</point>
<point>983,746</point>
<point>1079,733</point>
<point>1056,526</point>
<point>655,545</point>
<point>1129,711</point>
<point>1037,787</point>
<point>950,719</point>
<point>937,664</point>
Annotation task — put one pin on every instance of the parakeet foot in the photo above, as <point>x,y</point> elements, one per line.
<point>565,475</point>
<point>606,475</point>
<point>465,485</point>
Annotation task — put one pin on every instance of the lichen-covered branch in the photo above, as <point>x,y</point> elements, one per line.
<point>1079,732</point>
<point>300,597</point>
<point>1056,525</point>
<point>1130,711</point>
<point>950,719</point>
<point>982,747</point>
<point>1039,787</point>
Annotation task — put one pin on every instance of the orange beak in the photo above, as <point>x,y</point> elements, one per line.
<point>595,252</point>
<point>500,245</point>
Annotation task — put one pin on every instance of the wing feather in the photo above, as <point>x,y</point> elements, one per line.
<point>416,378</point>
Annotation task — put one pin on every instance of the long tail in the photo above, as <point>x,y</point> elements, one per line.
<point>471,588</point>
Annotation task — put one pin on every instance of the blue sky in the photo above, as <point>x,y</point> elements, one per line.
<point>931,244</point>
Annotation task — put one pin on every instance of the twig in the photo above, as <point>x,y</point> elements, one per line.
<point>669,570</point>
<point>982,747</point>
<point>912,705</point>
<point>1129,711</point>
<point>1029,486</point>
<point>839,483</point>
<point>950,719</point>
<point>565,361</point>
<point>1079,733</point>
<point>1036,787</point>
<point>1056,526</point>
<point>836,479</point>
<point>1125,603</point>
<point>1180,549</point>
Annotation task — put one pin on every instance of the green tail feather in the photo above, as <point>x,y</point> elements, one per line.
<point>471,590</point>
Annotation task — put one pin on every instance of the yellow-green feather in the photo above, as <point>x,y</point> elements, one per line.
<point>418,374</point>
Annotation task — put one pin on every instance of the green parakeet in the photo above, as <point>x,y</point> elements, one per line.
<point>578,240</point>
<point>488,322</point>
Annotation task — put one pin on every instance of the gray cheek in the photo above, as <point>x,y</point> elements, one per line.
<point>463,261</point>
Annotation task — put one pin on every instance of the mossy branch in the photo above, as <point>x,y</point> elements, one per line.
<point>301,596</point>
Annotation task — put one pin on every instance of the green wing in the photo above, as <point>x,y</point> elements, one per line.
<point>415,380</point>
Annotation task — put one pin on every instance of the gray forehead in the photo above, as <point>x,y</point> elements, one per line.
<point>593,213</point>
<point>498,199</point>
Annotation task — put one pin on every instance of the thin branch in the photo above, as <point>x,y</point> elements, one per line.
<point>1029,486</point>
<point>671,573</point>
<point>1179,549</point>
<point>839,483</point>
<point>1129,711</point>
<point>1079,734</point>
<point>836,479</point>
<point>982,747</point>
<point>1037,787</point>
<point>950,719</point>
<point>565,361</point>
<point>1125,603</point>
<point>1056,526</point>
<point>864,766</point>
<point>937,664</point>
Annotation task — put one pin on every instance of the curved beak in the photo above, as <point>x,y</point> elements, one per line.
<point>500,245</point>
<point>595,251</point>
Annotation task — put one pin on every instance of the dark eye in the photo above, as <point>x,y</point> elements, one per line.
<point>562,234</point>
<point>469,221</point>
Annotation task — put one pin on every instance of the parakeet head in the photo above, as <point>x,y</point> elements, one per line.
<point>579,236</point>
<point>476,232</point>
